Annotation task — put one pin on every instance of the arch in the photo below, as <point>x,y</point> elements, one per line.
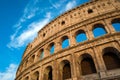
<point>31,60</point>
<point>87,64</point>
<point>51,48</point>
<point>111,57</point>
<point>116,24</point>
<point>66,70</point>
<point>80,36</point>
<point>99,30</point>
<point>35,76</point>
<point>65,42</point>
<point>27,78</point>
<point>41,54</point>
<point>48,73</point>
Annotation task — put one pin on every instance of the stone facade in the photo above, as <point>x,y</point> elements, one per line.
<point>87,60</point>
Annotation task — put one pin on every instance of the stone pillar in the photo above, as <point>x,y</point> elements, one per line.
<point>99,60</point>
<point>109,26</point>
<point>58,45</point>
<point>89,32</point>
<point>89,35</point>
<point>46,51</point>
<point>75,68</point>
<point>55,71</point>
<point>41,73</point>
<point>38,55</point>
<point>72,39</point>
<point>35,59</point>
<point>29,77</point>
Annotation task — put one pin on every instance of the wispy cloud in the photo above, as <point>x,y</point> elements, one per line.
<point>29,34</point>
<point>55,5</point>
<point>10,72</point>
<point>70,5</point>
<point>23,35</point>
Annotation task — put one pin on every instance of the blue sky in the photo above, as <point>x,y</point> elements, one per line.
<point>20,20</point>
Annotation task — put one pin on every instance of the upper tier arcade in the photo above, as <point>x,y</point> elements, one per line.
<point>81,15</point>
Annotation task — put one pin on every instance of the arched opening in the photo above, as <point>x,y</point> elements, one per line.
<point>116,24</point>
<point>87,65</point>
<point>31,59</point>
<point>99,30</point>
<point>35,76</point>
<point>48,73</point>
<point>51,48</point>
<point>65,42</point>
<point>27,78</point>
<point>66,70</point>
<point>80,36</point>
<point>111,58</point>
<point>41,54</point>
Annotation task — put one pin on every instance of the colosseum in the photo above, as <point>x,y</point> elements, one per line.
<point>81,44</point>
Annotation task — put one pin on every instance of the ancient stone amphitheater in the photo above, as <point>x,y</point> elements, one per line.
<point>93,56</point>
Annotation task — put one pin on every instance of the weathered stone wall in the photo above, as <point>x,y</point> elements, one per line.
<point>83,18</point>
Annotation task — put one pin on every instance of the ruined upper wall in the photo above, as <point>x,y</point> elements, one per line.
<point>77,15</point>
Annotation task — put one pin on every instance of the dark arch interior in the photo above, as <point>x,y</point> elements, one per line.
<point>66,71</point>
<point>64,38</point>
<point>111,58</point>
<point>116,20</point>
<point>48,73</point>
<point>87,65</point>
<point>36,75</point>
<point>26,78</point>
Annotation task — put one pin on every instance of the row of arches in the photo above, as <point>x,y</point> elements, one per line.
<point>80,35</point>
<point>110,55</point>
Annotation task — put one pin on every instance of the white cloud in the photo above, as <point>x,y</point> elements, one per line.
<point>10,72</point>
<point>55,5</point>
<point>28,34</point>
<point>70,5</point>
<point>23,37</point>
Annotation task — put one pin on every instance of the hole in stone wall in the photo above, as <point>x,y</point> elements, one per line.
<point>63,22</point>
<point>90,11</point>
<point>43,34</point>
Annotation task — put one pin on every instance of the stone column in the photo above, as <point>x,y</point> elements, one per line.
<point>29,77</point>
<point>108,26</point>
<point>55,70</point>
<point>46,51</point>
<point>58,45</point>
<point>99,60</point>
<point>41,73</point>
<point>75,67</point>
<point>72,38</point>
<point>89,32</point>
<point>35,59</point>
